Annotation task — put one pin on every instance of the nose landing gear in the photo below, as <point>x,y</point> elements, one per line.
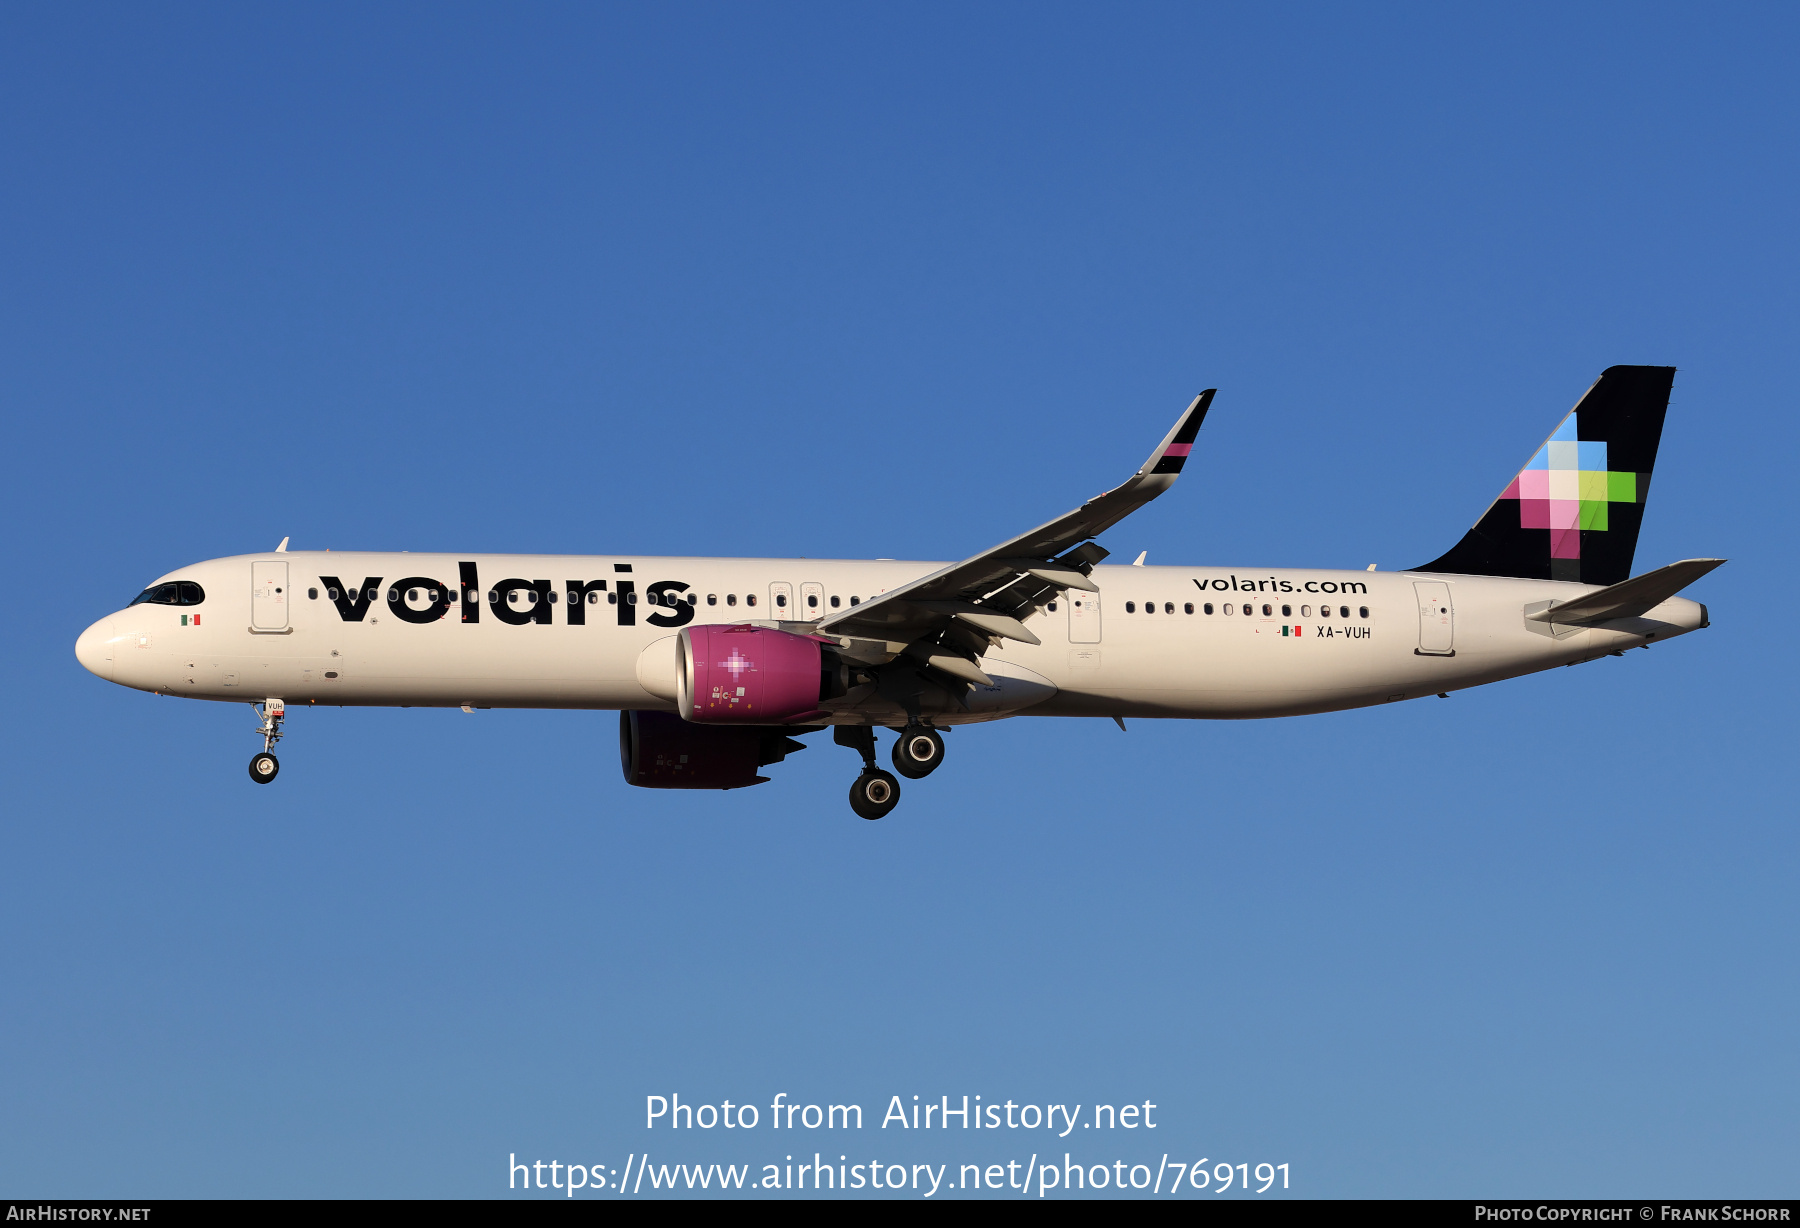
<point>875,793</point>
<point>264,764</point>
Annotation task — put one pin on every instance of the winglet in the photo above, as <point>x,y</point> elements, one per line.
<point>282,548</point>
<point>1172,453</point>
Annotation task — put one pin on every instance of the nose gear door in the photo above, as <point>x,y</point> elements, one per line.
<point>1437,619</point>
<point>268,596</point>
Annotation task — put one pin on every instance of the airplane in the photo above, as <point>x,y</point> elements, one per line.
<point>717,666</point>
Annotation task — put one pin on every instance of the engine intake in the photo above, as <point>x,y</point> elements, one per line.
<point>738,675</point>
<point>659,750</point>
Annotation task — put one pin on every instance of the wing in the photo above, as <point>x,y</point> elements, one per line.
<point>968,604</point>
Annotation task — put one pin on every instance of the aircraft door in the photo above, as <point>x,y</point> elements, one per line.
<point>781,602</point>
<point>268,596</point>
<point>1437,619</point>
<point>1084,616</point>
<point>812,602</point>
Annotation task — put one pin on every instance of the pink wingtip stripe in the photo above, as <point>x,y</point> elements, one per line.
<point>1179,449</point>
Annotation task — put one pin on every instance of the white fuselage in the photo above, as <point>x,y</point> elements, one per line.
<point>268,627</point>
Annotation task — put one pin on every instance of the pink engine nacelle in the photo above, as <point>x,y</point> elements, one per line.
<point>738,675</point>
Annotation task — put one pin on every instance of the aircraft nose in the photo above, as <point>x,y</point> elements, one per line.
<point>94,649</point>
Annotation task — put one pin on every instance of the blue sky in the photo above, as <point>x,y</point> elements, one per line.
<point>870,281</point>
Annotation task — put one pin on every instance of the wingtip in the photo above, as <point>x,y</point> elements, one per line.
<point>1173,453</point>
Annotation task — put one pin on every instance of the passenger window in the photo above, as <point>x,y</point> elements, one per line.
<point>1169,608</point>
<point>612,599</point>
<point>1231,609</point>
<point>593,598</point>
<point>856,601</point>
<point>1247,610</point>
<point>1362,611</point>
<point>332,593</point>
<point>712,599</point>
<point>1343,611</point>
<point>1131,607</point>
<point>374,594</point>
<point>835,603</point>
<point>412,594</point>
<point>749,598</point>
<point>812,601</point>
<point>1324,611</point>
<point>1305,611</point>
<point>1287,611</point>
<point>1267,610</point>
<point>1207,608</point>
<point>730,598</point>
<point>312,594</point>
<point>630,598</point>
<point>781,601</point>
<point>1051,607</point>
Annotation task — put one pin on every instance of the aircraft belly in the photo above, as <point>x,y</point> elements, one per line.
<point>554,667</point>
<point>1237,671</point>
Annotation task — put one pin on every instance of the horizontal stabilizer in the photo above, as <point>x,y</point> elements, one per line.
<point>1628,598</point>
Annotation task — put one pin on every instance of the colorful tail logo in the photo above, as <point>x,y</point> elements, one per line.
<point>1574,512</point>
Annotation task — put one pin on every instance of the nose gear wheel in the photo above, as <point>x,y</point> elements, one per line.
<point>263,766</point>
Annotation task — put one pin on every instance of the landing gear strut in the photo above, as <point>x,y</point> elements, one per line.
<point>264,764</point>
<point>875,793</point>
<point>918,752</point>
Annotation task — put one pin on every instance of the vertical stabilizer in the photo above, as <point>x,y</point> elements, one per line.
<point>1574,512</point>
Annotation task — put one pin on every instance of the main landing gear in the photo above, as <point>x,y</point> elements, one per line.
<point>264,764</point>
<point>916,755</point>
<point>918,752</point>
<point>875,793</point>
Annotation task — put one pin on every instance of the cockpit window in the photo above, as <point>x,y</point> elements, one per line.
<point>175,592</point>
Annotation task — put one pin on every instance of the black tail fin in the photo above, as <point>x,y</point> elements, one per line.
<point>1574,512</point>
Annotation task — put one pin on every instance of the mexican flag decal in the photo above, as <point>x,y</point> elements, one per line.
<point>195,617</point>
